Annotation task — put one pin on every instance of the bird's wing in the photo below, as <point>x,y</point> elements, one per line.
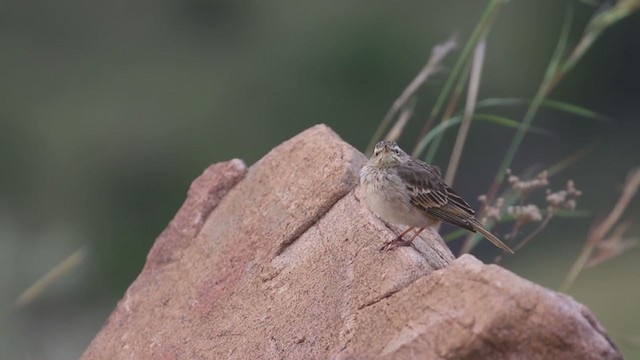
<point>428,192</point>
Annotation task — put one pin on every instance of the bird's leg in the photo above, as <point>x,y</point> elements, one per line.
<point>399,240</point>
<point>402,234</point>
<point>415,235</point>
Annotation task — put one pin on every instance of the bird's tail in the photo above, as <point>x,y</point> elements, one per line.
<point>489,236</point>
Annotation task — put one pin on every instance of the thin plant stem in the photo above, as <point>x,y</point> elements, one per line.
<point>405,115</point>
<point>600,231</point>
<point>577,267</point>
<point>448,113</point>
<point>53,275</point>
<point>438,54</point>
<point>584,44</point>
<point>472,97</point>
<point>485,20</point>
<point>629,191</point>
<point>514,231</point>
<point>535,232</point>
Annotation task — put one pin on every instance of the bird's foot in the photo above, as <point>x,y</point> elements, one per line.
<point>399,241</point>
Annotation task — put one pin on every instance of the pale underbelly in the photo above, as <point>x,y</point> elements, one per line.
<point>396,210</point>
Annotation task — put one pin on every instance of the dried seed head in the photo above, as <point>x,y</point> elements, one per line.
<point>494,212</point>
<point>563,199</point>
<point>525,213</point>
<point>526,187</point>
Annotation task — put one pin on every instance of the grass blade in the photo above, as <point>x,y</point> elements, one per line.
<point>494,119</point>
<point>574,109</point>
<point>549,103</point>
<point>506,122</point>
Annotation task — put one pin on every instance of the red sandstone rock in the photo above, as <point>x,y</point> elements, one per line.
<point>282,261</point>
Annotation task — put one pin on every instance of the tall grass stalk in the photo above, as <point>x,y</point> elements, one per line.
<point>484,23</point>
<point>469,109</point>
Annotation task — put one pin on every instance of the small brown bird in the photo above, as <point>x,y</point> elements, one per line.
<point>408,191</point>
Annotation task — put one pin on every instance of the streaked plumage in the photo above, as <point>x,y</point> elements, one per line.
<point>408,191</point>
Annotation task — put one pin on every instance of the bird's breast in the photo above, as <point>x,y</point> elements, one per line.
<point>386,195</point>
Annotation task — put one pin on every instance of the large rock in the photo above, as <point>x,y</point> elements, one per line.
<point>282,261</point>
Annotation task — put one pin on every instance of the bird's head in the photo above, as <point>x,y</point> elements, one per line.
<point>387,153</point>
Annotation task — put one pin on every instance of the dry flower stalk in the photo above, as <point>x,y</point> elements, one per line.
<point>599,247</point>
<point>525,213</point>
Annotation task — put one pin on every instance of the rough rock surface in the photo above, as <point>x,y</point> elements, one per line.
<point>282,260</point>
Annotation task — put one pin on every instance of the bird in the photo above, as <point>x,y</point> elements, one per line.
<point>406,191</point>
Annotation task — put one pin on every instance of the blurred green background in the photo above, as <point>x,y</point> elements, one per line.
<point>108,110</point>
